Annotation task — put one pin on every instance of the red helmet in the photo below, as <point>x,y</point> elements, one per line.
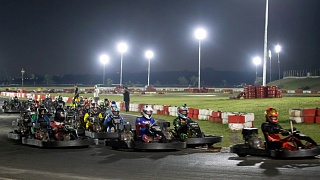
<point>271,114</point>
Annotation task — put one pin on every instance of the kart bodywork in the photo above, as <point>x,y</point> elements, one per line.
<point>127,138</point>
<point>38,133</point>
<point>255,146</point>
<point>12,106</point>
<point>193,136</point>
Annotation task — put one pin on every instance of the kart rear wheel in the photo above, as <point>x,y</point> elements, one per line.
<point>241,154</point>
<point>115,147</point>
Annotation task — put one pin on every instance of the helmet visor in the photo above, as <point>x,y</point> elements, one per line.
<point>184,112</point>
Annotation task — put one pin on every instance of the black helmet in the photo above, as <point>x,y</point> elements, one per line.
<point>60,115</point>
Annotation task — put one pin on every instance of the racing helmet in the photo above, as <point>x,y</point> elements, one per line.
<point>94,109</point>
<point>60,115</point>
<point>60,98</point>
<point>42,110</point>
<point>271,115</point>
<point>48,96</point>
<point>30,99</point>
<point>113,103</point>
<point>114,111</point>
<point>182,112</point>
<point>147,111</point>
<point>101,104</point>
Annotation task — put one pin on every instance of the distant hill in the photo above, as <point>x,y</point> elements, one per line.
<point>294,83</point>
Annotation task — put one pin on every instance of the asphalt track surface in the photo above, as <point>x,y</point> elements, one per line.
<point>19,161</point>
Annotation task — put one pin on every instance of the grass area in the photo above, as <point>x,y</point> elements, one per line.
<point>294,83</point>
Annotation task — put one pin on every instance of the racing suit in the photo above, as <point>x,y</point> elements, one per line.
<point>272,131</point>
<point>143,128</point>
<point>109,122</point>
<point>183,125</point>
<point>87,119</point>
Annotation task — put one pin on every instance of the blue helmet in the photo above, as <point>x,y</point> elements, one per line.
<point>114,111</point>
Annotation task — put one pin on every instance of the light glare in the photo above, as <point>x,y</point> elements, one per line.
<point>200,33</point>
<point>278,48</point>
<point>104,59</point>
<point>257,60</point>
<point>149,54</point>
<point>122,47</point>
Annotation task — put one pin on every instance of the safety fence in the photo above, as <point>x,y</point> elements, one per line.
<point>307,116</point>
<point>234,120</point>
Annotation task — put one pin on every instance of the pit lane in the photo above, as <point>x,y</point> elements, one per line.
<point>18,161</point>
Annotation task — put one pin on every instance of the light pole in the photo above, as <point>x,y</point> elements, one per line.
<point>122,48</point>
<point>200,34</point>
<point>256,61</point>
<point>265,57</point>
<point>149,55</point>
<point>270,64</point>
<point>278,49</point>
<point>22,72</point>
<point>104,59</point>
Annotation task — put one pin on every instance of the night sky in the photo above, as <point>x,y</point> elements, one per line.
<point>60,37</point>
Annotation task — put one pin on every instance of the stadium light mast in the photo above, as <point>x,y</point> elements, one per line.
<point>200,34</point>
<point>270,63</point>
<point>104,59</point>
<point>22,72</point>
<point>149,55</point>
<point>256,61</point>
<point>278,49</point>
<point>265,46</point>
<point>122,48</point>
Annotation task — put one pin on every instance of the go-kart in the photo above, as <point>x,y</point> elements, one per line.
<point>116,128</point>
<point>74,120</point>
<point>42,133</point>
<point>161,138</point>
<point>191,133</point>
<point>255,146</point>
<point>12,106</point>
<point>49,104</point>
<point>21,126</point>
<point>96,130</point>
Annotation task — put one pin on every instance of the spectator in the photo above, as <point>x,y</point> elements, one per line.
<point>96,94</point>
<point>76,93</point>
<point>126,98</point>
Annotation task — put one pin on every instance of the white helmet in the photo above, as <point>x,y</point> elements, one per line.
<point>47,95</point>
<point>147,111</point>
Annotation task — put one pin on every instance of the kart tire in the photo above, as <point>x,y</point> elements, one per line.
<point>208,140</point>
<point>159,146</point>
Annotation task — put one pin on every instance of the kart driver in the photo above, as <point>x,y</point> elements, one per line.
<point>112,115</point>
<point>180,122</point>
<point>143,124</point>
<point>272,130</point>
<point>94,112</point>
